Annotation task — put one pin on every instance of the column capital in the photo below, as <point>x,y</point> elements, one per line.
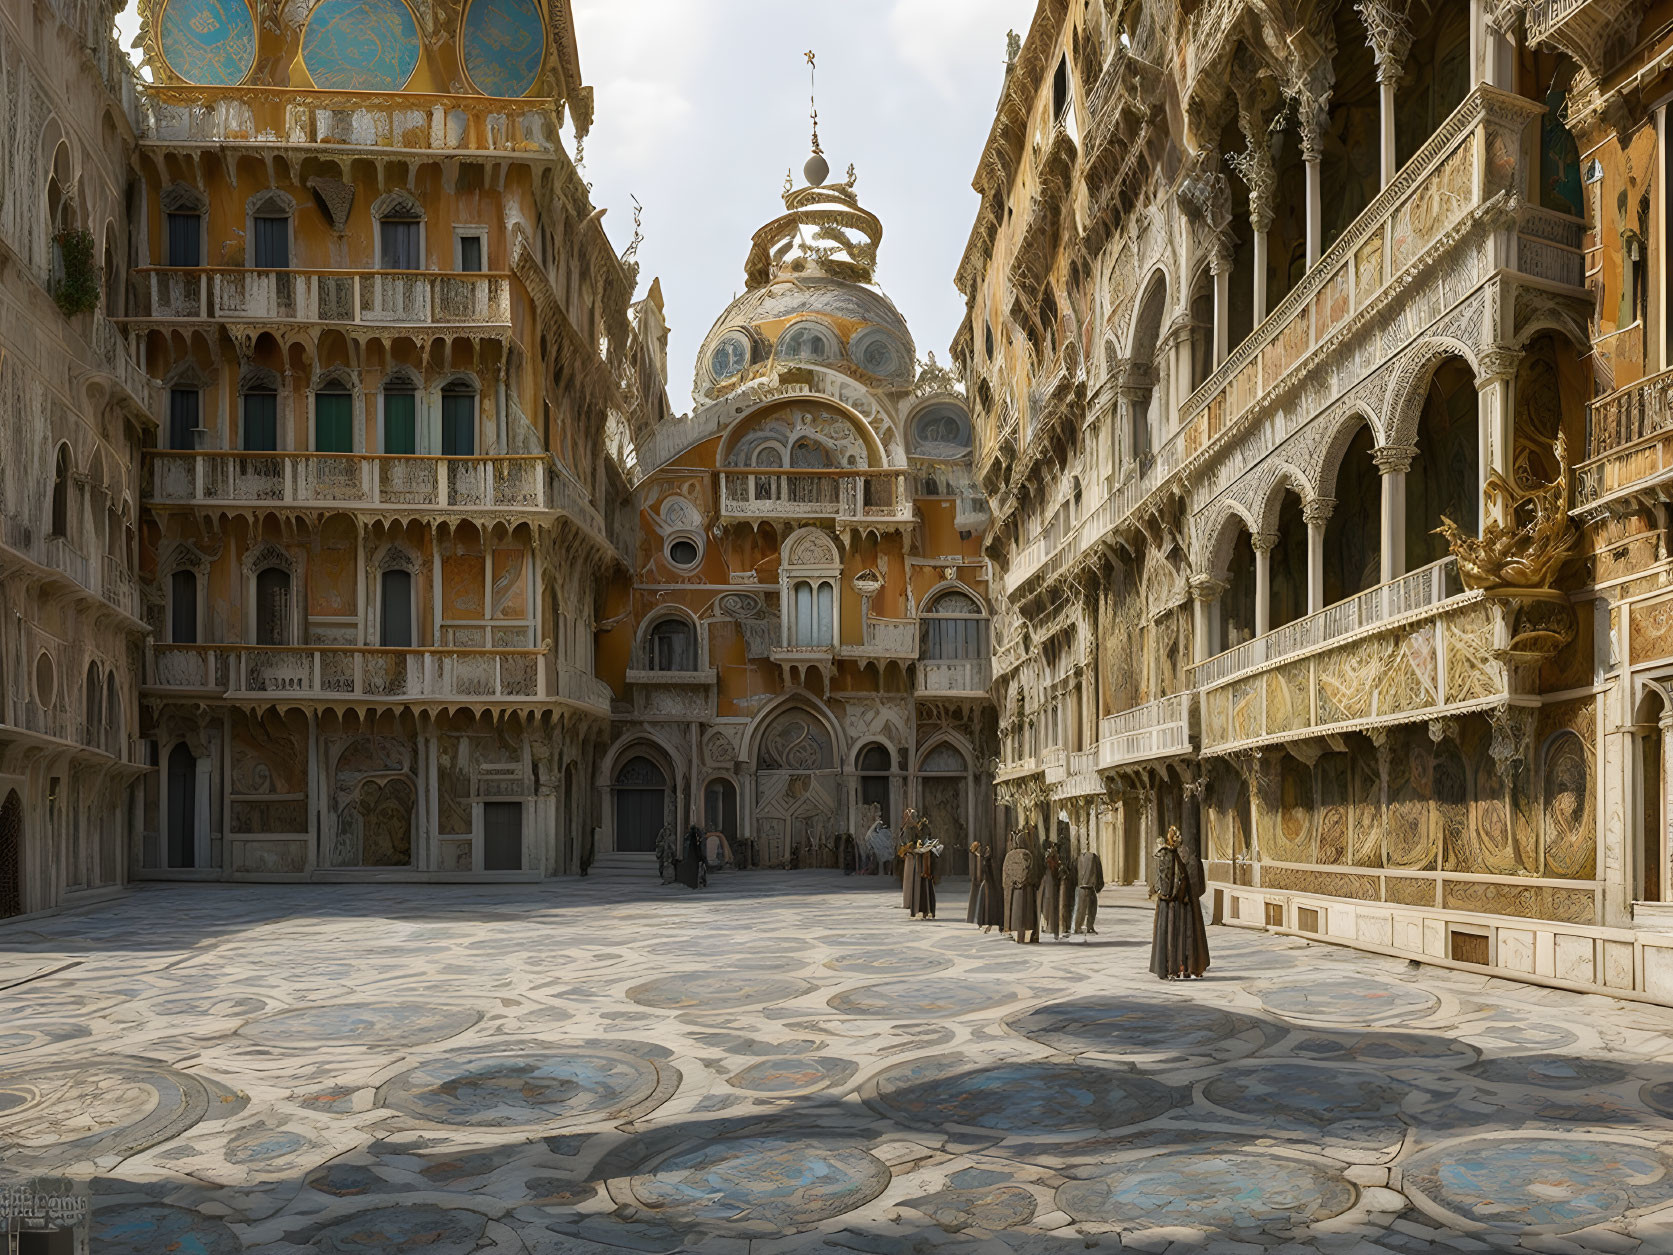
<point>1263,542</point>
<point>1394,457</point>
<point>1206,588</point>
<point>1389,33</point>
<point>1317,512</point>
<point>1497,364</point>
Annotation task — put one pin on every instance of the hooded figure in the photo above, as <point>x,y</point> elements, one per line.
<point>927,851</point>
<point>1022,918</point>
<point>694,870</point>
<point>987,904</point>
<point>1180,945</point>
<point>1051,879</point>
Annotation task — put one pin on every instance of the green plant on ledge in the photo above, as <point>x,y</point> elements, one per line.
<point>77,289</point>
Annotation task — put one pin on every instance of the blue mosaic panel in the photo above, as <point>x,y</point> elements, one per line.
<point>925,998</point>
<point>1346,1104</point>
<point>360,45</point>
<point>1547,1072</point>
<point>500,1090</point>
<point>793,1074</point>
<point>63,1113</point>
<point>212,42</point>
<point>1125,1025</point>
<point>1018,1098</point>
<point>1350,1000</point>
<point>421,1227</point>
<point>760,1186</point>
<point>1550,1183</point>
<point>504,41</point>
<point>715,991</point>
<point>1208,1190</point>
<point>361,1024</point>
<point>151,1227</point>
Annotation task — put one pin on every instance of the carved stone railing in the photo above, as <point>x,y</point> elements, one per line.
<point>1433,663</point>
<point>276,117</point>
<point>953,675</point>
<point>871,497</point>
<point>1629,441</point>
<point>1016,768</point>
<point>1418,590</point>
<point>393,297</point>
<point>886,638</point>
<point>326,672</point>
<point>116,357</point>
<point>1055,763</point>
<point>514,483</point>
<point>106,577</point>
<point>1158,729</point>
<point>583,689</point>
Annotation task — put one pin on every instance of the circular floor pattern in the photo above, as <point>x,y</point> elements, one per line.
<point>1349,999</point>
<point>496,1091</point>
<point>362,1024</point>
<point>1384,1048</point>
<point>61,1114</point>
<point>891,963</point>
<point>1541,1183</point>
<point>1128,1026</point>
<point>922,998</point>
<point>1350,1100</point>
<point>148,1228</point>
<point>423,1226</point>
<point>715,991</point>
<point>1658,1097</point>
<point>34,1036</point>
<point>759,1186</point>
<point>1191,1188</point>
<point>1548,1072</point>
<point>1027,1098</point>
<point>793,1074</point>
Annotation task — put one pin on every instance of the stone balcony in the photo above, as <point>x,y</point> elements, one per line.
<point>885,638</point>
<point>960,677</point>
<point>405,123</point>
<point>1629,454</point>
<point>55,556</point>
<point>1411,650</point>
<point>311,673</point>
<point>396,298</point>
<point>1158,729</point>
<point>851,499</point>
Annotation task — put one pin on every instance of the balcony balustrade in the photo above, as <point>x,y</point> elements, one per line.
<point>1158,729</point>
<point>1630,443</point>
<point>849,497</point>
<point>953,675</point>
<point>378,297</point>
<point>107,579</point>
<point>1017,768</point>
<point>886,638</point>
<point>113,355</point>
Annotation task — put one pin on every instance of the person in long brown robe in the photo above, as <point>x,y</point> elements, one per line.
<point>1051,916</point>
<point>1022,919</point>
<point>925,851</point>
<point>908,877</point>
<point>1065,888</point>
<point>1179,948</point>
<point>1089,880</point>
<point>990,901</point>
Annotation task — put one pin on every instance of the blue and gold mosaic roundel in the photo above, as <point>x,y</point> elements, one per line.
<point>211,42</point>
<point>360,45</point>
<point>504,41</point>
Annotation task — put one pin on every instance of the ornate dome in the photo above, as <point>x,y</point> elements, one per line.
<point>810,300</point>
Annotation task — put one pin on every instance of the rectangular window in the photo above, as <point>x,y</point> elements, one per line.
<point>398,240</point>
<point>804,613</point>
<point>826,628</point>
<point>182,417</point>
<point>470,253</point>
<point>333,422</point>
<point>400,422</point>
<point>261,422</point>
<point>395,631</point>
<point>185,239</point>
<point>271,243</point>
<point>183,608</point>
<point>502,836</point>
<point>458,424</point>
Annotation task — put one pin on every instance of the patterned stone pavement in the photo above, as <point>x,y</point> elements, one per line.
<point>784,1062</point>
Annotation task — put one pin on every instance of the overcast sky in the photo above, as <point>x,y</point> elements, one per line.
<point>701,106</point>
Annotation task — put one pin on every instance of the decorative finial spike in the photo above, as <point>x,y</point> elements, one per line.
<point>812,102</point>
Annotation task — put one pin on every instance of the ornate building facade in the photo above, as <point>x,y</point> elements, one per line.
<point>76,409</point>
<point>801,641</point>
<point>389,335</point>
<point>1285,328</point>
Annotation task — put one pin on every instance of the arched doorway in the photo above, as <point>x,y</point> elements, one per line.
<point>11,856</point>
<point>944,799</point>
<point>182,807</point>
<point>641,793</point>
<point>796,797</point>
<point>1652,792</point>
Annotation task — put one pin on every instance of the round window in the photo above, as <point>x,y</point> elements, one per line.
<point>876,353</point>
<point>731,355</point>
<point>683,552</point>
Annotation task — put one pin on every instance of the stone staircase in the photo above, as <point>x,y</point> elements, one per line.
<point>618,866</point>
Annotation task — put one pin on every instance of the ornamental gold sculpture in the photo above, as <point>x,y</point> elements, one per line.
<point>1525,552</point>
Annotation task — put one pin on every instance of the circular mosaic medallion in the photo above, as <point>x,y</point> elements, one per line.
<point>67,1113</point>
<point>226,1005</point>
<point>422,1226</point>
<point>924,998</point>
<point>1349,1000</point>
<point>792,1074</point>
<point>1317,1095</point>
<point>212,42</point>
<point>34,1036</point>
<point>360,45</point>
<point>891,963</point>
<point>715,991</point>
<point>1528,1182</point>
<point>1194,1188</point>
<point>1548,1071</point>
<point>1384,1048</point>
<point>503,43</point>
<point>1538,1036</point>
<point>1128,1026</point>
<point>495,1091</point>
<point>1658,1097</point>
<point>759,1186</point>
<point>361,1024</point>
<point>148,1228</point>
<point>1018,1098</point>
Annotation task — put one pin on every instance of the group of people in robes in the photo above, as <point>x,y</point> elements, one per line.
<point>918,854</point>
<point>1039,889</point>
